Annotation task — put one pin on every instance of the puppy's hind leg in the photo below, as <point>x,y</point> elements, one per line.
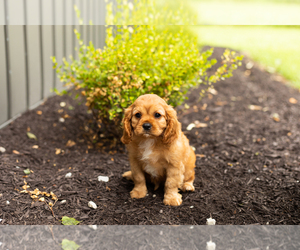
<point>189,175</point>
<point>127,175</point>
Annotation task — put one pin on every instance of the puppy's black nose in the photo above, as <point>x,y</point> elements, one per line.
<point>147,126</point>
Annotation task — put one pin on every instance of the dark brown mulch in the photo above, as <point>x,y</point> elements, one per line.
<point>247,169</point>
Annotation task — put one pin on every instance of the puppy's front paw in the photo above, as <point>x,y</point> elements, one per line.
<point>187,186</point>
<point>173,199</point>
<point>138,193</point>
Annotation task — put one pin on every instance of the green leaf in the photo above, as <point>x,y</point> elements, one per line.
<point>69,245</point>
<point>31,136</point>
<point>69,221</point>
<point>27,171</point>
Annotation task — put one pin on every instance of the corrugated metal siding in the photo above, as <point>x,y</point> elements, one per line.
<point>31,32</point>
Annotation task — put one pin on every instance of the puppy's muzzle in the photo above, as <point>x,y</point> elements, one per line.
<point>147,126</point>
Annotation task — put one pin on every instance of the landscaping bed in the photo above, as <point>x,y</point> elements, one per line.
<point>247,170</point>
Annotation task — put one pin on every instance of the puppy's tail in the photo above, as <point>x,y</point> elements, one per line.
<point>128,175</point>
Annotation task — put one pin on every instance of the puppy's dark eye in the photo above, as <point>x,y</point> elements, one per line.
<point>138,115</point>
<point>157,115</point>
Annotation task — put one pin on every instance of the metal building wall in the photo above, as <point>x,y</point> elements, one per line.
<point>31,31</point>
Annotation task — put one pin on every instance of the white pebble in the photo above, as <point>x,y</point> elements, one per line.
<point>191,227</point>
<point>210,221</point>
<point>160,211</point>
<point>103,178</point>
<point>1,220</point>
<point>210,245</point>
<point>62,104</point>
<point>17,167</point>
<point>190,126</point>
<point>7,202</point>
<point>154,195</point>
<point>92,204</point>
<point>2,149</point>
<point>61,119</point>
<point>94,227</point>
<point>191,206</point>
<point>161,233</point>
<point>63,201</point>
<point>68,175</point>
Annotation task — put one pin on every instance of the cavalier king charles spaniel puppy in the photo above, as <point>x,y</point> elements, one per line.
<point>158,150</point>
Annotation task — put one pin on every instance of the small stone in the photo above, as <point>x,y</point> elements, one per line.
<point>103,178</point>
<point>160,211</point>
<point>94,227</point>
<point>154,195</point>
<point>92,204</point>
<point>2,149</point>
<point>7,202</point>
<point>62,104</point>
<point>63,202</point>
<point>61,119</point>
<point>17,167</point>
<point>210,221</point>
<point>191,206</point>
<point>68,175</point>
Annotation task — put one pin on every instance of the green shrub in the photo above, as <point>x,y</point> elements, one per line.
<point>141,58</point>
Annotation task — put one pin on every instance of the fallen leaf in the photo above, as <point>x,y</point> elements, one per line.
<point>70,143</point>
<point>219,103</point>
<point>186,106</point>
<point>39,112</point>
<point>66,116</point>
<point>200,124</point>
<point>275,117</point>
<point>69,245</point>
<point>16,152</point>
<point>27,171</point>
<point>31,136</point>
<point>204,106</point>
<point>293,100</point>
<point>255,107</point>
<point>57,151</point>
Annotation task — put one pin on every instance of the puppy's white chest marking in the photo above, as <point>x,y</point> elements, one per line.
<point>146,147</point>
<point>150,170</point>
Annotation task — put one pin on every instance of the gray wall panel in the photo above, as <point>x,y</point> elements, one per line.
<point>2,14</point>
<point>29,67</point>
<point>34,64</point>
<point>59,15</point>
<point>69,12</point>
<point>32,12</point>
<point>17,69</point>
<point>69,41</point>
<point>3,80</point>
<point>47,12</point>
<point>59,51</point>
<point>47,45</point>
<point>15,12</point>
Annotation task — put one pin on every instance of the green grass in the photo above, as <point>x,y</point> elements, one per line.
<point>229,12</point>
<point>274,47</point>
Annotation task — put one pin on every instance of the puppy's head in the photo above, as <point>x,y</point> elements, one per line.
<point>150,116</point>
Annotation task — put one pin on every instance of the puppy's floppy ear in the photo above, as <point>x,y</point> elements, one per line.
<point>173,126</point>
<point>127,130</point>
